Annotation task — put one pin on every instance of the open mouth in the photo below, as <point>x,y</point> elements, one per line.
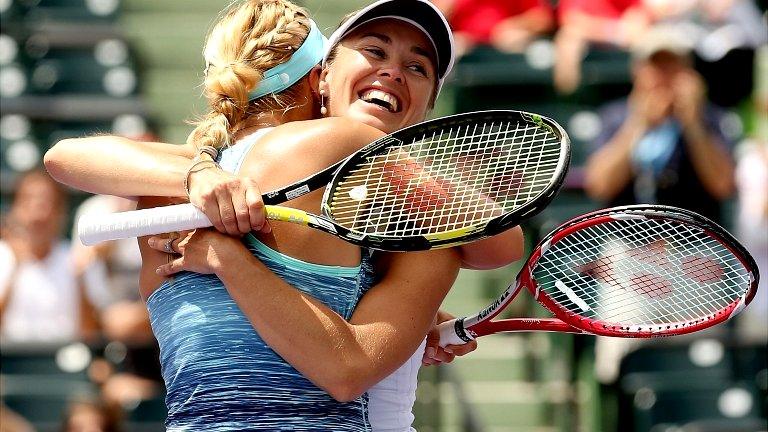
<point>382,99</point>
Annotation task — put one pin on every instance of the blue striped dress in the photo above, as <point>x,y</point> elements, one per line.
<point>221,376</point>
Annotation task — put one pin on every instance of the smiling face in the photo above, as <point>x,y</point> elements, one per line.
<point>383,75</point>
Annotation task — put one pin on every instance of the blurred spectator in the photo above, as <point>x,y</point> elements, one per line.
<point>44,297</point>
<point>125,317</point>
<point>10,421</point>
<point>131,371</point>
<point>725,34</point>
<point>714,26</point>
<point>665,144</point>
<point>752,229</point>
<point>612,23</point>
<point>752,213</point>
<point>505,25</point>
<point>90,416</point>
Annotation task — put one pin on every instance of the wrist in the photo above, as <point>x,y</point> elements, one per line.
<point>232,255</point>
<point>205,159</point>
<point>695,131</point>
<point>198,175</point>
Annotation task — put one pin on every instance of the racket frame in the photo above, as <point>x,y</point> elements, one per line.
<point>469,328</point>
<point>458,236</point>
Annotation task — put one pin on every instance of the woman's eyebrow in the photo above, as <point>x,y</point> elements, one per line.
<point>416,49</point>
<point>384,38</point>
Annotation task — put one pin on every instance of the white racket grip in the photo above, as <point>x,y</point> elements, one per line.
<point>448,335</point>
<point>97,228</point>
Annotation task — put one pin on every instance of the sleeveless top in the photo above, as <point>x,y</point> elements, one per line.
<point>220,375</point>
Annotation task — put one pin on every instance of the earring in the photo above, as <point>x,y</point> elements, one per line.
<point>323,109</point>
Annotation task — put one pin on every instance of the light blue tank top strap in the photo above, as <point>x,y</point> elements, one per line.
<point>231,158</point>
<point>219,373</point>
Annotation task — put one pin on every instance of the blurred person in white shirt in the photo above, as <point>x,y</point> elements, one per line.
<point>44,296</point>
<point>124,319</point>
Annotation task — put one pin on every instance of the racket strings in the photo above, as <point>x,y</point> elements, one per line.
<point>641,272</point>
<point>448,180</point>
<point>649,277</point>
<point>646,280</point>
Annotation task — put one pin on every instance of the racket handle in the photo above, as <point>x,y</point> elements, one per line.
<point>449,334</point>
<point>94,229</point>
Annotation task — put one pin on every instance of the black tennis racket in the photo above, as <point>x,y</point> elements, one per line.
<point>436,184</point>
<point>634,271</point>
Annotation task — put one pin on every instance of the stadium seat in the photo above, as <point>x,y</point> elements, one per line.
<point>488,79</point>
<point>43,399</point>
<point>705,355</point>
<point>68,10</point>
<point>78,72</point>
<point>62,361</point>
<point>14,80</point>
<point>147,411</point>
<point>749,424</point>
<point>701,383</point>
<point>605,76</point>
<point>703,401</point>
<point>10,12</point>
<point>751,365</point>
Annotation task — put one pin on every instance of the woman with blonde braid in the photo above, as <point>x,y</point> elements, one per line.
<point>296,286</point>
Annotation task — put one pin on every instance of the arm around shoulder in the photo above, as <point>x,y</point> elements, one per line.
<point>493,252</point>
<point>344,358</point>
<point>119,166</point>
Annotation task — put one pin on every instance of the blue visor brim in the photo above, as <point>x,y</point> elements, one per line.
<point>284,75</point>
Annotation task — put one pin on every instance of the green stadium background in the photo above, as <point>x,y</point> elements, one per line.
<point>524,383</point>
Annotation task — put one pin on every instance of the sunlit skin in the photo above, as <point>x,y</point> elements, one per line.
<point>386,55</point>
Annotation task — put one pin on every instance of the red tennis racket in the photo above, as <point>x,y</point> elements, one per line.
<point>635,271</point>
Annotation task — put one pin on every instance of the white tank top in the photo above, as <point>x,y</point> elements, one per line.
<point>390,401</point>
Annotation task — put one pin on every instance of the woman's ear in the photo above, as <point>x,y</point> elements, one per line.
<point>314,79</point>
<point>323,80</point>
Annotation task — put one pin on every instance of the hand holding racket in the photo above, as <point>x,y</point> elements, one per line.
<point>410,190</point>
<point>634,271</point>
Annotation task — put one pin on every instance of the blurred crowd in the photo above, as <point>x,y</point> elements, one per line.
<point>667,142</point>
<point>55,291</point>
<point>714,28</point>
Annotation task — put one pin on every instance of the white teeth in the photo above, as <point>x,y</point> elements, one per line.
<point>383,97</point>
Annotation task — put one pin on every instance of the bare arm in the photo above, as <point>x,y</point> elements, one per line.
<point>621,31</point>
<point>610,168</point>
<point>713,164</point>
<point>535,21</point>
<point>7,292</point>
<point>709,157</point>
<point>343,358</point>
<point>120,166</point>
<point>20,251</point>
<point>493,252</point>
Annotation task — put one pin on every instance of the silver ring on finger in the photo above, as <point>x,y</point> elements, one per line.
<point>168,248</point>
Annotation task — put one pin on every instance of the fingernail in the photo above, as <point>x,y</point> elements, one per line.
<point>448,350</point>
<point>157,270</point>
<point>151,242</point>
<point>431,351</point>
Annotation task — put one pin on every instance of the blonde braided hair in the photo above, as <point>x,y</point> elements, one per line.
<point>251,37</point>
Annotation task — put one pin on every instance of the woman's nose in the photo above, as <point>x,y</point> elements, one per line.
<point>392,72</point>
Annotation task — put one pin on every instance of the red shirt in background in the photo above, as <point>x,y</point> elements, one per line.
<point>597,8</point>
<point>477,18</point>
